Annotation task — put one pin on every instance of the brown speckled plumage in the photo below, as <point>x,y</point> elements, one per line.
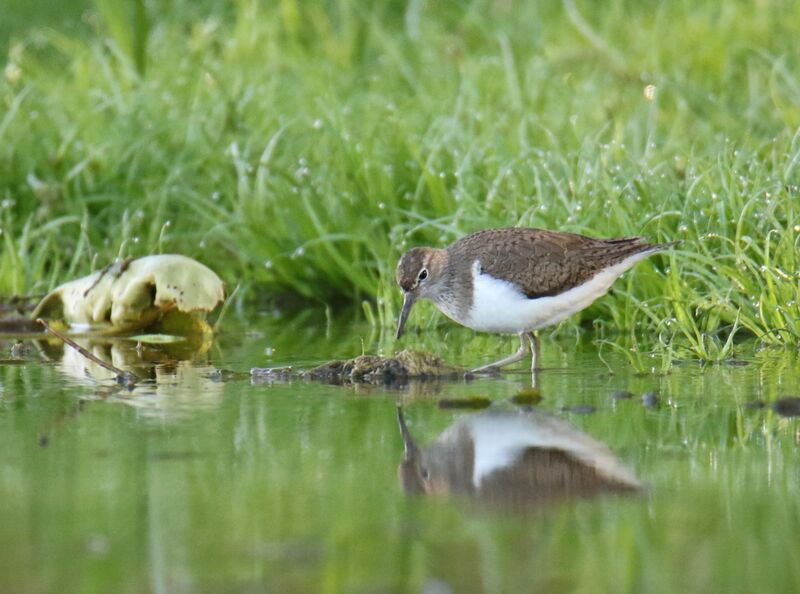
<point>543,263</point>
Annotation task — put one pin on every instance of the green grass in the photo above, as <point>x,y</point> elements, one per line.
<point>299,148</point>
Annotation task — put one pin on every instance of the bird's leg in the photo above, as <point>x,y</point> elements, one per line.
<point>536,349</point>
<point>524,351</point>
<point>533,338</point>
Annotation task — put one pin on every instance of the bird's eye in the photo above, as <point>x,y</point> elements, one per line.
<point>423,274</point>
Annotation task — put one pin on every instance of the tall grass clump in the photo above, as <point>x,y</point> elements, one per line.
<point>299,147</point>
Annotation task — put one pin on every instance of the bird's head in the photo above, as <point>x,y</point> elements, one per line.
<point>418,272</point>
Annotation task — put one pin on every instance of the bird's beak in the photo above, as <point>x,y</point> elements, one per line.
<point>409,469</point>
<point>410,448</point>
<point>408,302</point>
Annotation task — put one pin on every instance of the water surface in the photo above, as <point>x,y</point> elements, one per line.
<point>196,483</point>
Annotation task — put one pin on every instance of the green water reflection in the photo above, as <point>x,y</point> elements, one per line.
<point>191,484</point>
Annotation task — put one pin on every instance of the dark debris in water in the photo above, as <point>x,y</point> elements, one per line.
<point>621,395</point>
<point>528,397</point>
<point>227,375</point>
<point>263,375</point>
<point>366,369</point>
<point>375,369</point>
<point>126,379</point>
<point>20,350</point>
<point>472,403</point>
<point>788,406</point>
<point>651,400</point>
<point>19,325</point>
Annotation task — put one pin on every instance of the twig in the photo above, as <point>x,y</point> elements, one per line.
<point>115,268</point>
<point>125,378</point>
<point>225,307</point>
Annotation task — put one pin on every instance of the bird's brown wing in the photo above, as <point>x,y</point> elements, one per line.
<point>543,263</point>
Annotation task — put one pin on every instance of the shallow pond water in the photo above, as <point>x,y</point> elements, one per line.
<point>198,481</point>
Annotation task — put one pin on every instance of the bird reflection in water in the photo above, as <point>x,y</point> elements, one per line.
<point>512,459</point>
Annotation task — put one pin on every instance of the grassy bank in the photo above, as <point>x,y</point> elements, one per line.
<point>299,148</point>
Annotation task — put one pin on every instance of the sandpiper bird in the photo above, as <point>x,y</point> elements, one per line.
<point>512,458</point>
<point>516,280</point>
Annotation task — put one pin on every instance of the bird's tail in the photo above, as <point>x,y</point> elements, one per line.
<point>625,247</point>
<point>660,247</point>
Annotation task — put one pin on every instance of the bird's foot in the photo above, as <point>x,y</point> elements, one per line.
<point>491,369</point>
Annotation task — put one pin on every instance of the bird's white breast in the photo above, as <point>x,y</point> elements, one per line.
<point>500,306</point>
<point>499,439</point>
